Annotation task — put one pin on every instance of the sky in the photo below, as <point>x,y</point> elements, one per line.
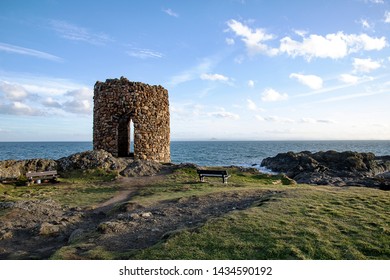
<point>234,69</point>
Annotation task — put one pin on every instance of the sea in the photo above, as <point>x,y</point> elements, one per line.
<point>204,153</point>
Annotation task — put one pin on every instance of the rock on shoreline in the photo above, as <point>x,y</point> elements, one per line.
<point>16,169</point>
<point>333,168</point>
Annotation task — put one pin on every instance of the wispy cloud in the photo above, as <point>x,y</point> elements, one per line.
<point>214,77</point>
<point>376,1</point>
<point>315,121</point>
<point>222,113</point>
<point>275,119</point>
<point>76,33</point>
<point>254,39</point>
<point>312,81</point>
<point>348,82</point>
<point>387,16</point>
<point>194,72</point>
<point>351,96</point>
<point>144,53</point>
<point>29,52</point>
<point>365,24</point>
<point>171,13</point>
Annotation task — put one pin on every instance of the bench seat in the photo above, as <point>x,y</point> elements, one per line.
<point>42,175</point>
<point>213,173</point>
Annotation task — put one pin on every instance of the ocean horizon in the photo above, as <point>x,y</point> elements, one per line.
<point>206,153</point>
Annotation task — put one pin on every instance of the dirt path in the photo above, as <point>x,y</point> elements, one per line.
<point>129,187</point>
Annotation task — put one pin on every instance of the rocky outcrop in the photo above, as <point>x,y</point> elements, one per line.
<point>141,168</point>
<point>332,168</point>
<point>14,169</point>
<point>91,160</point>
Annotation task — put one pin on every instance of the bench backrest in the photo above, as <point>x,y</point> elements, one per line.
<point>43,173</point>
<point>213,172</point>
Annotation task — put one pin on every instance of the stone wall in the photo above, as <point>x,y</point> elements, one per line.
<point>119,101</point>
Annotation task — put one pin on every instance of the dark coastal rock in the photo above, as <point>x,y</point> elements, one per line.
<point>90,160</point>
<point>14,169</point>
<point>332,168</point>
<point>141,168</point>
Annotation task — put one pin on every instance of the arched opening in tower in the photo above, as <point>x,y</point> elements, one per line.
<point>125,137</point>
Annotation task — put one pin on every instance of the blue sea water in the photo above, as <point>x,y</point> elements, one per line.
<point>206,153</point>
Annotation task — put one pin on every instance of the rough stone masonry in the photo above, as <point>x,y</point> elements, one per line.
<point>119,102</point>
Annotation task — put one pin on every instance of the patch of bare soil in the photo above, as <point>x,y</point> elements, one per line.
<point>36,229</point>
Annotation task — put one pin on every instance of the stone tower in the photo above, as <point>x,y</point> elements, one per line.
<point>117,104</point>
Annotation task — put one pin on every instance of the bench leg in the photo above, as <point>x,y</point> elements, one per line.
<point>201,178</point>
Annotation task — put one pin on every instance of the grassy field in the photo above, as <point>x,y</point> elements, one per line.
<point>78,188</point>
<point>302,223</point>
<point>293,222</point>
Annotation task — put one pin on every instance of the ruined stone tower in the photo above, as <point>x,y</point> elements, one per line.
<point>117,104</point>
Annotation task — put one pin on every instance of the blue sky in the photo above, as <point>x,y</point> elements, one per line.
<point>234,69</point>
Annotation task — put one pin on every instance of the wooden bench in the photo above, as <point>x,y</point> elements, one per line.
<point>33,177</point>
<point>213,173</point>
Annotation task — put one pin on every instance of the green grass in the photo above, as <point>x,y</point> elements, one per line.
<point>79,188</point>
<point>185,182</point>
<point>302,223</point>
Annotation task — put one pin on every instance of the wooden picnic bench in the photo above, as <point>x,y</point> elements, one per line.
<point>43,175</point>
<point>213,173</point>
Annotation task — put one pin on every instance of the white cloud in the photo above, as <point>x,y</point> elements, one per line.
<point>170,12</point>
<point>13,91</point>
<point>376,1</point>
<point>365,65</point>
<point>33,95</point>
<point>365,24</point>
<point>335,45</point>
<point>314,121</point>
<point>51,103</point>
<point>312,81</point>
<point>83,107</point>
<point>29,52</point>
<point>251,105</point>
<point>19,108</point>
<point>278,119</point>
<point>229,41</point>
<point>253,39</point>
<point>271,95</point>
<point>76,33</point>
<point>259,118</point>
<point>251,83</point>
<point>222,113</point>
<point>80,102</point>
<point>349,79</point>
<point>214,77</point>
<point>144,53</point>
<point>301,33</point>
<point>387,16</point>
